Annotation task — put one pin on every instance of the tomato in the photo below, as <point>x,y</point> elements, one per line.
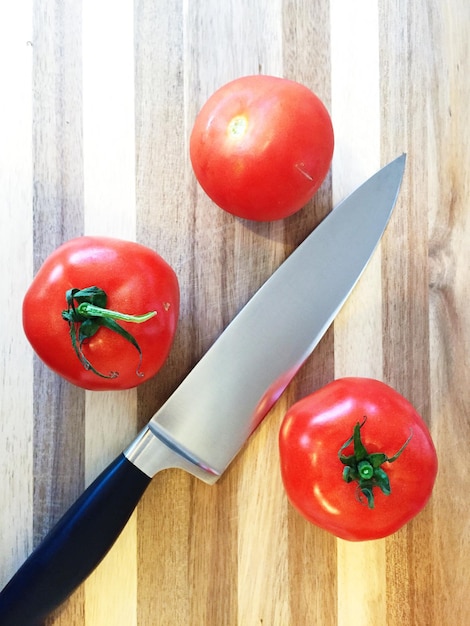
<point>357,459</point>
<point>102,312</point>
<point>261,146</point>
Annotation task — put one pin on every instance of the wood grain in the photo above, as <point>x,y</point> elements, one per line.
<point>97,104</point>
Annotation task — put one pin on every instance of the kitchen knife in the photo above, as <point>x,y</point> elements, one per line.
<point>206,421</point>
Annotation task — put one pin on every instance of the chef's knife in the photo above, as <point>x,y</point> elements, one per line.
<point>212,413</point>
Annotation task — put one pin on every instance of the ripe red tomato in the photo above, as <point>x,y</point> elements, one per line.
<point>357,459</point>
<point>99,348</point>
<point>261,146</point>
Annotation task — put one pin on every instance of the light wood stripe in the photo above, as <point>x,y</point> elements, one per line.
<point>358,328</point>
<point>16,269</point>
<point>110,210</point>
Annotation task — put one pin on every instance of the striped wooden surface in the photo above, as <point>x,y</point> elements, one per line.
<point>97,100</point>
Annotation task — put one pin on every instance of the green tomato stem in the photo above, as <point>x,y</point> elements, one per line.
<point>87,313</point>
<point>90,310</point>
<point>365,469</point>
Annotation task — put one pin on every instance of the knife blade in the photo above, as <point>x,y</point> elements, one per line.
<point>206,421</point>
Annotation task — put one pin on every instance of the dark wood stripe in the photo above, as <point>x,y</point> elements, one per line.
<point>312,552</point>
<point>58,461</point>
<point>58,216</point>
<point>405,276</point>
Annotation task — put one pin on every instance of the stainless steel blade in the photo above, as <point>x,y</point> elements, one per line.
<point>215,409</point>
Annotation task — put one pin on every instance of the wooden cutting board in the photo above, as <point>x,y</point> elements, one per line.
<point>97,103</point>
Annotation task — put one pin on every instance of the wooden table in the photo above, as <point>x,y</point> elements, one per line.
<point>97,103</point>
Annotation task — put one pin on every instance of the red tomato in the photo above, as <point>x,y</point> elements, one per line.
<point>261,146</point>
<point>101,348</point>
<point>357,459</point>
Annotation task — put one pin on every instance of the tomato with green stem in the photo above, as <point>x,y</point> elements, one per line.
<point>102,312</point>
<point>357,459</point>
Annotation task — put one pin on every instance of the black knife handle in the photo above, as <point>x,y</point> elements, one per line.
<point>74,546</point>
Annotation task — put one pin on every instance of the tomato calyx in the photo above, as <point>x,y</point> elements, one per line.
<point>365,468</point>
<point>86,313</point>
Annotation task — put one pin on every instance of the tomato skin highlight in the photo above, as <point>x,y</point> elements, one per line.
<point>314,430</point>
<point>261,147</point>
<point>136,280</point>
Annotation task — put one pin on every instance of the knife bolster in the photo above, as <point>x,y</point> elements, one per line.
<point>154,450</point>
